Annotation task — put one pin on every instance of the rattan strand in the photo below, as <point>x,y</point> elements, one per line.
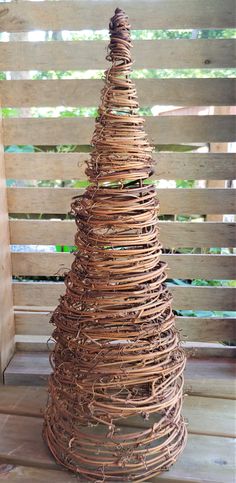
<point>115,393</point>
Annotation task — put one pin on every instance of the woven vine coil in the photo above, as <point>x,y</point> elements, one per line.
<point>115,393</point>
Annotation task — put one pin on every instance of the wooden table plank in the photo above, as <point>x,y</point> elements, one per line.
<point>23,400</point>
<point>204,377</point>
<point>181,473</point>
<point>21,441</point>
<point>204,414</point>
<point>210,416</point>
<point>206,458</point>
<point>25,474</point>
<point>28,368</point>
<point>210,377</point>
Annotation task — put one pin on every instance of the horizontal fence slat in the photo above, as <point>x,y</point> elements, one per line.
<point>90,14</point>
<point>67,166</point>
<point>161,129</point>
<point>196,350</point>
<point>32,323</point>
<point>207,329</point>
<point>148,54</point>
<point>186,298</point>
<point>71,92</point>
<point>194,328</point>
<point>172,234</point>
<point>180,266</point>
<point>172,201</point>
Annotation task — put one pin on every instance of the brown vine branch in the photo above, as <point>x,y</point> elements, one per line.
<point>117,357</point>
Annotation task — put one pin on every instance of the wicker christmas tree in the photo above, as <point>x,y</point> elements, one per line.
<point>115,394</point>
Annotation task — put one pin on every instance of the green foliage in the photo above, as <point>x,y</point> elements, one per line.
<point>77,112</point>
<point>177,148</point>
<point>215,251</point>
<point>9,112</point>
<point>52,74</point>
<point>80,184</point>
<point>65,248</point>
<point>185,183</point>
<point>218,34</point>
<point>182,73</point>
<point>199,282</point>
<point>20,149</point>
<point>69,74</point>
<point>156,34</point>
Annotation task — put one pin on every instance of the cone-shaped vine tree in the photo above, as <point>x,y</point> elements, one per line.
<point>117,358</point>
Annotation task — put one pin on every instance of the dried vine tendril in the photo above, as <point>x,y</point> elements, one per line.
<point>117,358</point>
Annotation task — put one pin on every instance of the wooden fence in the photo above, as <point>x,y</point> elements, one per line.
<point>27,329</point>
